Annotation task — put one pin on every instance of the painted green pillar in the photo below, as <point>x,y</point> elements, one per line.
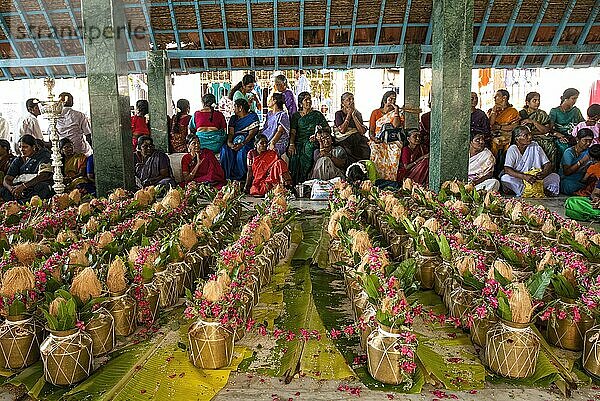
<point>159,96</point>
<point>451,86</point>
<point>412,83</point>
<point>106,63</point>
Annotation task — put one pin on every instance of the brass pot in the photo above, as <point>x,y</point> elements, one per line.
<point>101,328</point>
<point>449,285</point>
<point>20,338</point>
<point>440,275</point>
<point>384,356</point>
<point>67,357</point>
<point>366,316</point>
<point>196,263</point>
<point>462,300</point>
<point>591,351</point>
<point>480,329</point>
<point>567,334</point>
<point>359,303</point>
<point>183,274</point>
<point>166,285</point>
<point>211,345</point>
<point>123,309</point>
<point>398,246</point>
<point>265,269</point>
<point>146,313</point>
<point>245,312</point>
<point>427,264</point>
<point>512,349</point>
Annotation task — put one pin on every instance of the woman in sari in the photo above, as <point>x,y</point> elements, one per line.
<point>350,133</point>
<point>414,162</point>
<point>243,126</point>
<point>140,124</point>
<point>385,155</point>
<point>74,168</point>
<point>538,122</point>
<point>481,164</point>
<point>575,162</point>
<point>179,127</point>
<point>281,86</point>
<point>265,169</point>
<point>201,165</point>
<point>526,161</point>
<point>152,167</point>
<point>245,90</point>
<point>209,125</point>
<point>302,138</point>
<point>330,161</point>
<point>277,125</point>
<point>564,118</point>
<point>6,157</point>
<point>30,174</point>
<point>503,119</point>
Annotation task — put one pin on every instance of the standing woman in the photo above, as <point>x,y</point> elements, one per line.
<point>244,90</point>
<point>209,125</point>
<point>302,138</point>
<point>350,133</point>
<point>140,123</point>
<point>385,155</point>
<point>564,118</point>
<point>277,125</point>
<point>179,127</point>
<point>281,85</point>
<point>243,126</point>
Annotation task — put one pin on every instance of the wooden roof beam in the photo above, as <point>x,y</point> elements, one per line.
<point>534,29</point>
<point>225,35</point>
<point>301,35</point>
<point>200,32</point>
<point>34,42</point>
<point>508,30</point>
<point>352,32</point>
<point>404,28</point>
<point>176,33</point>
<point>560,30</point>
<point>275,33</point>
<point>585,31</point>
<point>378,33</point>
<point>482,27</point>
<point>144,6</point>
<point>327,26</point>
<point>250,36</point>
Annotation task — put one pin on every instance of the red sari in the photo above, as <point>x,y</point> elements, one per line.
<point>268,170</point>
<point>209,172</point>
<point>419,172</point>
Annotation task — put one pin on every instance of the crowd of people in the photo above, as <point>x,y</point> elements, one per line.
<point>522,153</point>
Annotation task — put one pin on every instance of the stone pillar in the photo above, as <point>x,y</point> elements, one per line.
<point>159,97</point>
<point>106,63</point>
<point>451,86</point>
<point>412,83</point>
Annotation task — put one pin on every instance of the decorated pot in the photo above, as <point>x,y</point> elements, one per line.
<point>398,246</point>
<point>123,309</point>
<point>196,263</point>
<point>512,349</point>
<point>359,303</point>
<point>387,352</point>
<point>20,338</point>
<point>364,322</point>
<point>590,358</point>
<point>211,344</point>
<point>101,328</point>
<point>440,275</point>
<point>183,274</point>
<point>426,265</point>
<point>147,302</point>
<point>566,333</point>
<point>480,328</point>
<point>166,285</point>
<point>67,357</point>
<point>245,312</point>
<point>461,301</point>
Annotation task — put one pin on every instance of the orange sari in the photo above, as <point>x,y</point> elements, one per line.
<point>501,140</point>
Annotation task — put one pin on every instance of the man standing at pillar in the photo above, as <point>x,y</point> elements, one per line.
<point>29,124</point>
<point>74,125</point>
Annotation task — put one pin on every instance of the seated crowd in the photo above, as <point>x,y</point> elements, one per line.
<point>522,153</point>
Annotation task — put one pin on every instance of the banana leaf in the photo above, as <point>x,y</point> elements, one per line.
<point>563,288</point>
<point>538,283</point>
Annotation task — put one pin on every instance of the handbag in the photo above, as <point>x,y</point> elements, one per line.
<point>389,133</point>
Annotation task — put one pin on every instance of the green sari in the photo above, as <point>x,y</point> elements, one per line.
<point>581,208</point>
<point>547,143</point>
<point>301,163</point>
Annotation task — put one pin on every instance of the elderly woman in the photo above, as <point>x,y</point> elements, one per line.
<point>527,162</point>
<point>30,174</point>
<point>74,168</point>
<point>243,126</point>
<point>330,161</point>
<point>209,125</point>
<point>302,138</point>
<point>575,162</point>
<point>385,155</point>
<point>350,130</point>
<point>481,164</point>
<point>503,119</point>
<point>265,169</point>
<point>414,162</point>
<point>152,167</point>
<point>281,86</point>
<point>277,125</point>
<point>6,157</point>
<point>201,165</point>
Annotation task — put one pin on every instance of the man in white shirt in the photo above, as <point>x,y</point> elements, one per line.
<point>29,124</point>
<point>74,125</point>
<point>4,129</point>
<point>302,83</point>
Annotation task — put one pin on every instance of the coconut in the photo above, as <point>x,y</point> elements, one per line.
<point>61,202</point>
<point>503,268</point>
<point>548,227</point>
<point>16,280</point>
<point>187,236</point>
<point>86,285</point>
<point>398,211</point>
<point>142,198</point>
<point>92,225</point>
<point>280,201</point>
<point>595,239</point>
<point>581,237</point>
<point>460,239</point>
<point>66,235</point>
<point>520,304</point>
<point>366,186</point>
<point>547,261</point>
<point>517,211</point>
<point>117,195</point>
<point>158,208</point>
<point>469,187</point>
<point>137,223</point>
<point>223,279</point>
<point>105,239</point>
<point>212,211</point>
<point>454,187</point>
<point>386,305</point>
<point>11,208</point>
<point>460,206</point>
<point>133,254</point>
<point>407,184</point>
<point>84,209</point>
<point>433,225</point>
<point>151,191</point>
<point>25,252</point>
<point>212,291</point>
<point>78,257</point>
<point>345,193</point>
<point>366,261</point>
<point>360,241</point>
<point>569,275</point>
<point>484,221</point>
<point>115,279</point>
<point>55,306</point>
<point>35,201</point>
<point>75,196</point>
<point>464,264</point>
<point>334,222</point>
<point>419,221</point>
<point>172,199</point>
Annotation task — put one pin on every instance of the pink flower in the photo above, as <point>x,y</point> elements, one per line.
<point>334,334</point>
